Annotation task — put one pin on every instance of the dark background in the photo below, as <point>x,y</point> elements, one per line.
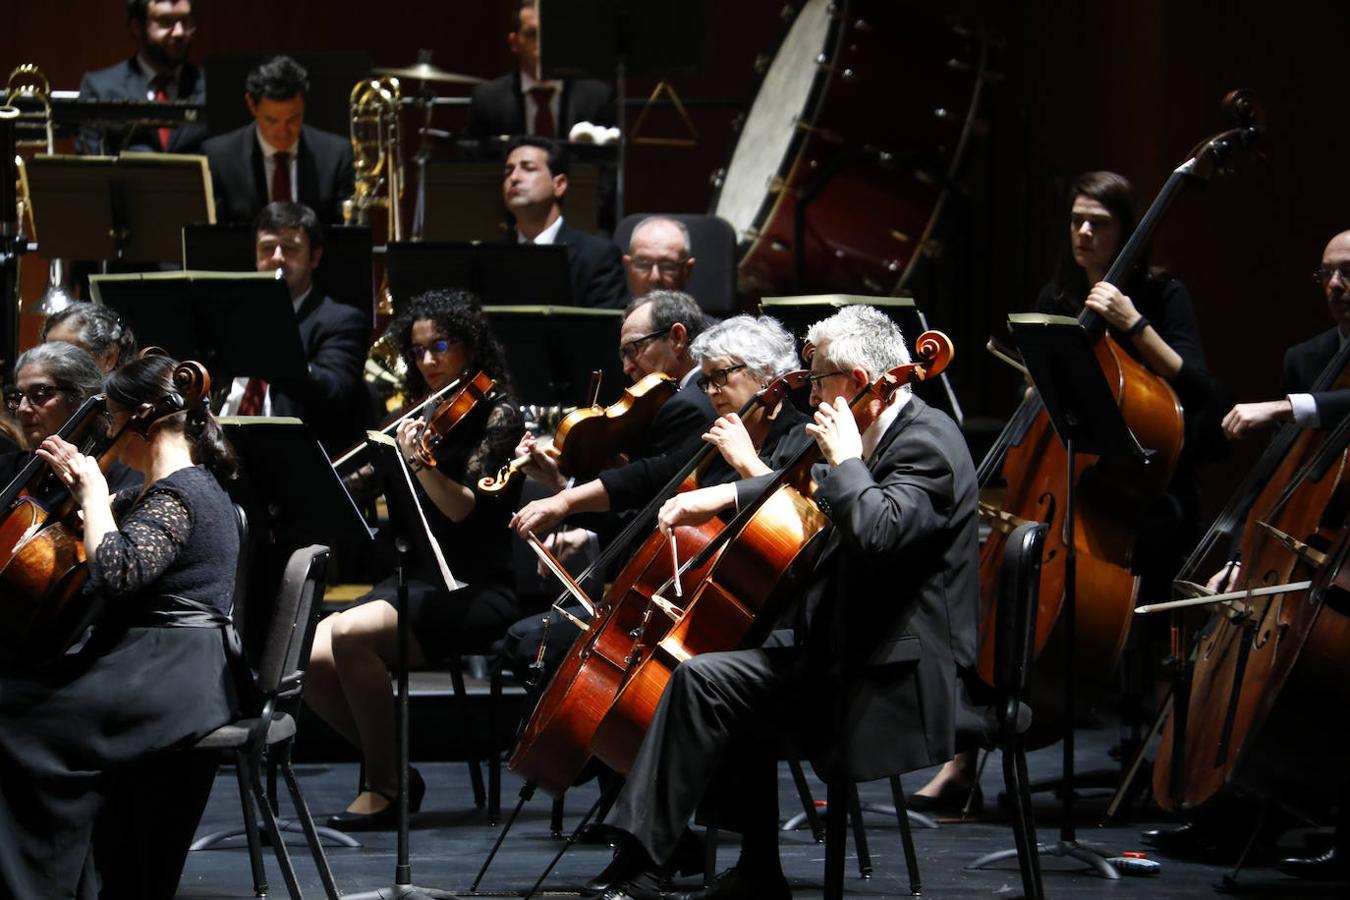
<point>1128,85</point>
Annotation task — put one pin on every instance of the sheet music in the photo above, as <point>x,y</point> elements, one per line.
<point>387,444</point>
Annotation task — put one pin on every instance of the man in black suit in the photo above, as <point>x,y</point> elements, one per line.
<point>521,103</point>
<point>887,615</point>
<point>279,158</point>
<point>533,186</point>
<point>1304,362</point>
<point>335,337</point>
<point>159,70</point>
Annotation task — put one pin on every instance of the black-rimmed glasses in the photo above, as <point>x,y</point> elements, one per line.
<point>631,348</point>
<point>435,348</point>
<point>718,377</point>
<point>1323,274</point>
<point>37,396</point>
<point>668,268</point>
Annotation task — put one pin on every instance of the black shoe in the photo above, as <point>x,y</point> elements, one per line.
<point>1329,865</point>
<point>630,861</point>
<point>738,883</point>
<point>645,886</point>
<point>387,818</point>
<point>1186,838</point>
<point>951,801</point>
<point>690,856</point>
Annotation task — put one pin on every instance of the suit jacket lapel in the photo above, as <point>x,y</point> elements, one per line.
<point>518,105</point>
<point>306,173</point>
<point>254,156</point>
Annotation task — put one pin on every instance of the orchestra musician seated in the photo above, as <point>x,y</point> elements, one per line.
<point>332,400</point>
<point>151,678</point>
<point>533,186</point>
<point>277,157</point>
<point>51,381</point>
<point>522,103</point>
<point>658,256</point>
<point>159,70</point>
<point>887,617</point>
<point>657,334</point>
<point>442,335</point>
<point>94,328</point>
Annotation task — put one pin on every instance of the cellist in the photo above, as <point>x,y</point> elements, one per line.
<point>888,615</point>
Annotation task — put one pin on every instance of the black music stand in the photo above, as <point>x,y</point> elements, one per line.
<point>419,552</point>
<point>499,273</point>
<point>234,323</point>
<point>552,351</point>
<point>129,208</point>
<point>343,273</point>
<point>1060,361</point>
<point>800,313</point>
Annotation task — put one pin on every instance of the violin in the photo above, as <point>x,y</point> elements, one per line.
<point>42,560</point>
<point>1110,500</point>
<point>456,407</point>
<point>742,571</point>
<point>391,425</point>
<point>592,438</point>
<point>554,746</point>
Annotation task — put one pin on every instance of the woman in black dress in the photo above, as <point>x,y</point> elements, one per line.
<point>152,678</point>
<point>441,335</point>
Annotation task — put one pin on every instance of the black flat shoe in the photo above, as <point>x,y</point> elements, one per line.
<point>1328,866</point>
<point>951,801</point>
<point>642,887</point>
<point>385,819</point>
<point>1185,838</point>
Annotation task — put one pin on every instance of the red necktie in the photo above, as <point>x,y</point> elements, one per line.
<point>281,178</point>
<point>160,84</point>
<point>543,112</point>
<point>254,392</point>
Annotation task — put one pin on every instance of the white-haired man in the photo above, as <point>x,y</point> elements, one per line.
<point>887,615</point>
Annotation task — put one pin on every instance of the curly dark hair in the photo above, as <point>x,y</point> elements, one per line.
<point>277,78</point>
<point>459,316</point>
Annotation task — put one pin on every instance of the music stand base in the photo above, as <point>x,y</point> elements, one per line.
<point>917,818</point>
<point>404,892</point>
<point>341,838</point>
<point>1095,859</point>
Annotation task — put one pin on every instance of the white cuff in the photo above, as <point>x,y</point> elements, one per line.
<point>1305,410</point>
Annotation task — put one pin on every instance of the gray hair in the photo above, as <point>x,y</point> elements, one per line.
<point>99,329</point>
<point>662,220</point>
<point>73,370</point>
<point>669,307</point>
<point>762,343</point>
<point>860,336</point>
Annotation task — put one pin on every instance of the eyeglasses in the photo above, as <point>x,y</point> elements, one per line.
<point>718,378</point>
<point>189,23</point>
<point>817,377</point>
<point>37,396</point>
<point>632,348</point>
<point>1323,274</point>
<point>664,266</point>
<point>435,348</point>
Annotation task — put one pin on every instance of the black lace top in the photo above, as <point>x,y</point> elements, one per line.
<point>179,537</point>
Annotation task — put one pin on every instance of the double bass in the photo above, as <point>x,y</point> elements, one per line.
<point>1110,502</point>
<point>759,556</point>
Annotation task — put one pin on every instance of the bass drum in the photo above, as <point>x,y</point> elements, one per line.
<point>860,123</point>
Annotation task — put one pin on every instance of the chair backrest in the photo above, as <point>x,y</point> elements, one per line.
<point>713,244</point>
<point>242,571</point>
<point>1015,617</point>
<point>291,632</point>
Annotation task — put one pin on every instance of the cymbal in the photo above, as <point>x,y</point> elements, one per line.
<point>428,72</point>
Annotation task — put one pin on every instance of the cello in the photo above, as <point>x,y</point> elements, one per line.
<point>554,746</point>
<point>43,563</point>
<point>756,560</point>
<point>1249,666</point>
<point>1110,502</point>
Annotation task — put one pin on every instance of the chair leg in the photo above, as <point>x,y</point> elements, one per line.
<point>836,836</point>
<point>253,770</point>
<point>250,826</point>
<point>906,836</point>
<point>475,771</point>
<point>1024,823</point>
<point>808,802</point>
<point>710,840</point>
<point>306,822</point>
<point>495,760</point>
<point>859,832</point>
